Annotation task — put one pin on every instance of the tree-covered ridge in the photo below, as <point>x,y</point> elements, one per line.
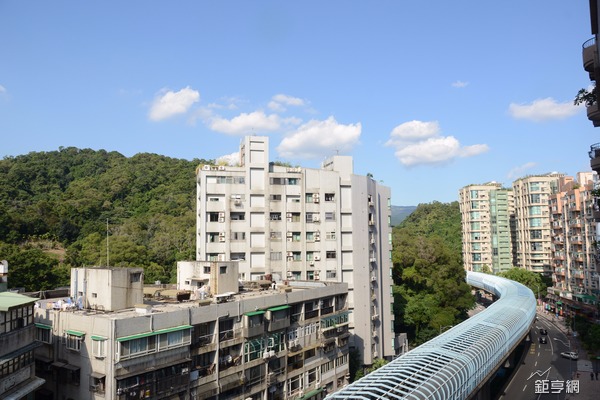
<point>59,202</point>
<point>430,291</point>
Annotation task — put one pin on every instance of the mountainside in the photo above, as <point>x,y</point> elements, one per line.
<point>399,213</point>
<point>55,208</point>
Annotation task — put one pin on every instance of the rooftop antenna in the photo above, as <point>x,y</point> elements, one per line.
<point>107,249</point>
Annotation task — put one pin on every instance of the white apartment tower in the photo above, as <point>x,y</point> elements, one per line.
<point>533,230</point>
<point>297,223</point>
<point>487,213</point>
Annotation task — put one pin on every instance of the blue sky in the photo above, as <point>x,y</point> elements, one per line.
<point>428,96</point>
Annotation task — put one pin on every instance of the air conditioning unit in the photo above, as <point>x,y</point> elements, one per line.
<point>222,239</point>
<point>289,234</point>
<point>375,317</point>
<point>373,278</point>
<point>317,257</point>
<point>316,218</point>
<point>296,343</point>
<point>316,198</point>
<point>289,274</point>
<point>206,167</point>
<point>237,202</point>
<point>372,259</point>
<point>375,354</point>
<point>289,239</point>
<point>221,168</point>
<point>372,240</point>
<point>317,238</point>
<point>371,223</point>
<point>289,215</point>
<point>291,344</point>
<point>271,353</point>
<point>311,263</point>
<point>266,355</point>
<point>290,254</point>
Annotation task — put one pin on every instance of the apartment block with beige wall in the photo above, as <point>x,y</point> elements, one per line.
<point>574,254</point>
<point>294,223</point>
<point>532,220</point>
<point>487,212</point>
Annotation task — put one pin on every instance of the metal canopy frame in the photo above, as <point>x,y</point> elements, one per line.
<point>456,363</point>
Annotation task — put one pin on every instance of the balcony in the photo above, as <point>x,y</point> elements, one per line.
<point>593,114</point>
<point>594,154</point>
<point>589,57</point>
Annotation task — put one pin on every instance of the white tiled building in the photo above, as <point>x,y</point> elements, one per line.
<point>297,223</point>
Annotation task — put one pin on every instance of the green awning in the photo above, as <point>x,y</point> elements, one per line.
<point>588,297</point>
<point>147,334</point>
<point>43,326</point>
<point>559,303</point>
<point>99,338</point>
<point>279,308</point>
<point>75,333</point>
<point>253,313</point>
<point>311,394</point>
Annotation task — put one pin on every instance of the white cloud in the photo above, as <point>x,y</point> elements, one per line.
<point>418,142</point>
<point>318,138</point>
<point>543,110</point>
<point>279,101</point>
<point>244,124</point>
<point>232,159</point>
<point>168,103</point>
<point>2,89</point>
<point>460,84</point>
<point>519,171</point>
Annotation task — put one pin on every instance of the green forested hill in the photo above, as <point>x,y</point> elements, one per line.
<point>430,291</point>
<point>54,209</point>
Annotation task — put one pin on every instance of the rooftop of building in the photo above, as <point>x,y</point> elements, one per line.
<point>9,300</point>
<point>167,298</point>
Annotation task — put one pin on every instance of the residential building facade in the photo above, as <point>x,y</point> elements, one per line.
<point>285,343</point>
<point>17,343</point>
<point>574,255</point>
<point>532,221</point>
<point>487,213</point>
<point>293,223</point>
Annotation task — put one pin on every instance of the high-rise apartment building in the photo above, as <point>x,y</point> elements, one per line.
<point>296,223</point>
<point>575,277</point>
<point>486,218</point>
<point>532,221</point>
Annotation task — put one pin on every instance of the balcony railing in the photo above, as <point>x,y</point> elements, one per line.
<point>589,50</point>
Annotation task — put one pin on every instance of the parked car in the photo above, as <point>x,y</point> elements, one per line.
<point>543,339</point>
<point>570,354</point>
<point>543,331</point>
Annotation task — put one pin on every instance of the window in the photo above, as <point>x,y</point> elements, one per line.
<point>275,216</point>
<point>207,269</point>
<point>475,225</point>
<point>223,269</point>
<point>99,346</point>
<point>476,256</point>
<point>535,222</point>
<point>135,277</point>
<point>310,236</point>
<point>535,210</point>
<point>535,198</point>
<point>237,257</point>
<point>310,255</point>
<point>73,340</point>
<point>275,197</point>
<point>329,216</point>
<point>276,256</point>
<point>43,333</point>
<point>310,275</point>
<point>237,236</point>
<point>309,198</point>
<point>293,181</point>
<point>97,382</point>
<point>238,216</point>
<point>275,235</point>
<point>330,254</point>
<point>536,234</point>
<point>330,235</point>
<point>329,196</point>
<point>296,236</point>
<point>331,274</point>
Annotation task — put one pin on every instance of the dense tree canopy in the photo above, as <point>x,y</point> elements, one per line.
<point>54,209</point>
<point>430,292</point>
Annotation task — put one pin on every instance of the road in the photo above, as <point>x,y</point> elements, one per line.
<point>544,374</point>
